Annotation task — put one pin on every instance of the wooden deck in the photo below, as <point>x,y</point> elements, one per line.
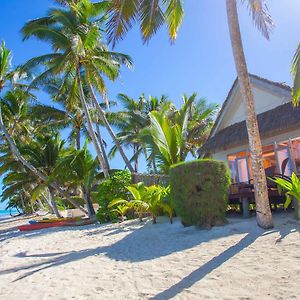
<point>243,195</point>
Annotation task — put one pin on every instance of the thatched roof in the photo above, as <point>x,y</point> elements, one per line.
<point>272,122</point>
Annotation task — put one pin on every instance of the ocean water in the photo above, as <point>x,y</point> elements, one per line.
<point>5,213</point>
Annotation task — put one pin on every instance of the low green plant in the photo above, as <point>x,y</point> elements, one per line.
<point>113,187</point>
<point>291,188</point>
<point>143,199</point>
<point>122,206</point>
<point>199,191</point>
<point>166,203</point>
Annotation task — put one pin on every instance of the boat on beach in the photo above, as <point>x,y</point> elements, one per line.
<point>58,223</point>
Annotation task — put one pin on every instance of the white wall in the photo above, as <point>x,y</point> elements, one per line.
<point>264,101</point>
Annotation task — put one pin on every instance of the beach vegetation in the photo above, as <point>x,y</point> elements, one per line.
<point>199,191</point>
<point>109,189</point>
<point>291,188</point>
<point>144,200</point>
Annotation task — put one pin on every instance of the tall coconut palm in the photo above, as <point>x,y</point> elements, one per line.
<point>264,23</point>
<point>5,70</point>
<point>153,14</point>
<point>79,52</point>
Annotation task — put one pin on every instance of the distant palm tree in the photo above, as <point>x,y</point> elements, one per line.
<point>171,136</point>
<point>132,119</point>
<point>153,14</point>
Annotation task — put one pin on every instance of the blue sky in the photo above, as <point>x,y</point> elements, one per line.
<point>200,60</point>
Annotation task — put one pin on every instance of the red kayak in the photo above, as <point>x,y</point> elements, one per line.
<point>38,226</point>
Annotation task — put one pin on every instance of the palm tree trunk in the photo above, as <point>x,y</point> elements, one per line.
<point>78,143</point>
<point>53,202</point>
<point>136,157</point>
<point>40,204</point>
<point>88,202</point>
<point>263,211</point>
<point>108,127</point>
<point>102,146</point>
<point>26,164</point>
<point>48,203</point>
<point>23,204</point>
<point>90,127</point>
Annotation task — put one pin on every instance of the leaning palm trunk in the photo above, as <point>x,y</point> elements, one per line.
<point>48,203</point>
<point>88,202</point>
<point>16,153</point>
<point>101,143</point>
<point>263,211</point>
<point>53,202</point>
<point>108,127</point>
<point>90,127</point>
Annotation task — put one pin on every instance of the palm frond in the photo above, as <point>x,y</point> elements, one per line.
<point>151,18</point>
<point>260,16</point>
<point>296,77</point>
<point>174,16</point>
<point>122,15</point>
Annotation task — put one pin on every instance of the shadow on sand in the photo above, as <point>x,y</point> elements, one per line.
<point>161,241</point>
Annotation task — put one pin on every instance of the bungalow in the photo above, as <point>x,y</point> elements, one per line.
<point>279,126</point>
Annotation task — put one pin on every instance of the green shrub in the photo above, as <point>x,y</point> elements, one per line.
<point>199,191</point>
<point>109,189</point>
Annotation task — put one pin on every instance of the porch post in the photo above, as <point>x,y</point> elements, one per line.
<point>245,206</point>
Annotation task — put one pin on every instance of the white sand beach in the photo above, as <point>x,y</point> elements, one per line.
<point>163,261</point>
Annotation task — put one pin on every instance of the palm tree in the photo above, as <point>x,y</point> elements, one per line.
<point>263,22</point>
<point>79,52</point>
<point>199,116</point>
<point>296,77</point>
<point>153,14</point>
<point>12,121</point>
<point>44,154</point>
<point>79,168</point>
<point>173,135</point>
<point>132,119</point>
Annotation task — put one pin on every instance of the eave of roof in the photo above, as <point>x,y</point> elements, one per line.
<point>272,122</point>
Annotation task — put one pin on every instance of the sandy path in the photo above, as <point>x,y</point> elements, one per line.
<point>163,261</point>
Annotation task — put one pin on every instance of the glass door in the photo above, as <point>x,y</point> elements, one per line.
<point>284,161</point>
<point>242,169</point>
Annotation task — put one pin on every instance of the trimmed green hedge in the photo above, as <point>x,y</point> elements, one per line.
<point>199,190</point>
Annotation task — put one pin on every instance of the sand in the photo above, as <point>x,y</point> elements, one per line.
<point>145,261</point>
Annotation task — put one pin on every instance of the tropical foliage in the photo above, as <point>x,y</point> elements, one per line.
<point>296,77</point>
<point>110,189</point>
<point>143,200</point>
<point>290,186</point>
<point>43,159</point>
